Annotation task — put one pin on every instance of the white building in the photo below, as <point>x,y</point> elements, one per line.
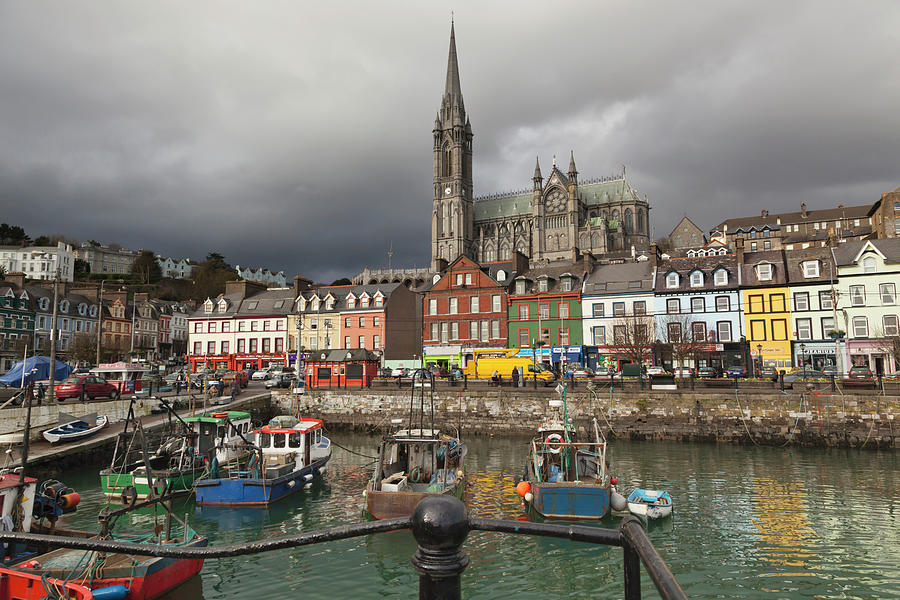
<point>175,269</point>
<point>263,276</point>
<point>40,262</point>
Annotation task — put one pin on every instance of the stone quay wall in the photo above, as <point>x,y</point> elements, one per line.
<point>45,416</point>
<point>771,418</point>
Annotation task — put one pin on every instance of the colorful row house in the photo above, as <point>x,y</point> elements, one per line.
<point>16,324</point>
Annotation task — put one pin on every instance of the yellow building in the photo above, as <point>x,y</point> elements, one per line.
<point>767,311</point>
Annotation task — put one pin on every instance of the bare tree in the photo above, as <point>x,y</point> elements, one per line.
<point>686,337</point>
<point>83,348</point>
<point>887,343</point>
<point>634,335</point>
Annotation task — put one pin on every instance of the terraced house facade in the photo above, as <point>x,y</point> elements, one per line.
<point>16,321</point>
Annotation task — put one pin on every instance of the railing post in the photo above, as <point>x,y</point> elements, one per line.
<point>632,566</point>
<point>440,525</point>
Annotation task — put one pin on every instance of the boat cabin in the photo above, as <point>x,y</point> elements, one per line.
<point>212,437</point>
<point>420,460</point>
<point>557,458</point>
<point>288,443</point>
<point>127,377</point>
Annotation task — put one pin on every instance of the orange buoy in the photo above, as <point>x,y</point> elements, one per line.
<point>523,488</point>
<point>69,500</point>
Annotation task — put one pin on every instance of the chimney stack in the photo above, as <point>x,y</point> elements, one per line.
<point>654,255</point>
<point>739,250</point>
<point>17,279</point>
<point>803,210</point>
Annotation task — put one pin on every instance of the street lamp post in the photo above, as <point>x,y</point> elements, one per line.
<point>803,356</point>
<point>759,358</point>
<point>535,344</point>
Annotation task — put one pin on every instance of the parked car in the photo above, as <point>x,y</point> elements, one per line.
<point>241,376</point>
<point>656,370</point>
<point>281,380</point>
<point>736,371</point>
<point>606,372</point>
<point>707,372</point>
<point>261,375</point>
<point>440,371</point>
<point>684,372</point>
<point>399,372</point>
<point>85,387</point>
<point>859,372</point>
<point>384,372</point>
<point>768,373</point>
<point>583,372</point>
<point>803,375</point>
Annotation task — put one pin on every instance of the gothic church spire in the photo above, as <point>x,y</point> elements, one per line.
<point>452,90</point>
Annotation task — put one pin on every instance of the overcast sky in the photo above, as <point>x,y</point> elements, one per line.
<point>297,135</point>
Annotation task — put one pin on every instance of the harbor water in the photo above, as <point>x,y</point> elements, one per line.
<point>750,522</point>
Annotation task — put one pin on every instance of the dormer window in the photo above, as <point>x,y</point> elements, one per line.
<point>379,300</point>
<point>223,305</point>
<point>543,285</point>
<point>208,306</point>
<point>64,306</point>
<point>811,268</point>
<point>82,309</point>
<point>329,303</point>
<point>364,302</point>
<point>764,272</point>
<point>520,286</point>
<point>315,303</point>
<point>351,301</point>
<point>696,279</point>
<point>501,275</point>
<point>567,284</point>
<point>93,311</point>
<point>720,277</point>
<point>869,265</point>
<point>44,304</point>
<point>301,301</point>
<point>672,280</point>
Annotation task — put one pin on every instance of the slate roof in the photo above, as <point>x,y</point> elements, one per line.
<point>707,265</point>
<point>590,193</point>
<point>771,219</point>
<point>751,259</point>
<point>340,293</point>
<point>846,252</point>
<point>632,277</point>
<point>554,271</point>
<point>355,354</point>
<point>794,260</point>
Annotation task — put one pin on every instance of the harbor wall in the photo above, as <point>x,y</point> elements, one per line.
<point>774,418</point>
<point>45,416</point>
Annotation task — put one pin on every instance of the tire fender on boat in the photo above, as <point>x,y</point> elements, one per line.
<point>129,496</point>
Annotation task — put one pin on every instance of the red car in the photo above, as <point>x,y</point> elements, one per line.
<point>85,387</point>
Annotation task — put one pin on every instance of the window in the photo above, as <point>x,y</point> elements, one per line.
<point>523,312</point>
<point>597,310</point>
<point>362,321</point>
<point>495,303</point>
<point>723,303</point>
<point>564,336</point>
<point>698,331</point>
<point>801,301</point>
<point>376,341</point>
<point>520,287</point>
<point>890,325</point>
<point>444,330</point>
<point>767,245</point>
<point>224,347</point>
<point>827,325</point>
<point>857,295</point>
<point>313,325</point>
<point>618,309</point>
<point>887,291</point>
<point>266,345</point>
<point>673,306</point>
<point>753,246</point>
<point>720,277</point>
<point>376,321</point>
<point>779,330</point>
<point>804,329</point>
<point>485,331</point>
<point>210,347</point>
<point>434,333</point>
<point>674,332</point>
<point>543,285</point>
<point>267,325</point>
<point>468,279</point>
<point>254,345</point>
<point>459,279</point>
<point>758,331</point>
<point>351,302</point>
<point>811,268</point>
<point>495,329</point>
<point>696,279</point>
<point>226,327</point>
<point>860,327</point>
<point>347,337</point>
<point>599,334</point>
<point>764,272</point>
<point>777,302</point>
<point>545,336</point>
<point>672,280</point>
<point>432,306</point>
<point>242,325</point>
<point>254,325</point>
<point>639,307</point>
<point>362,341</point>
<point>825,300</point>
<point>524,341</point>
<point>723,331</point>
<point>563,309</point>
<point>454,306</point>
<point>544,311</point>
<point>473,304</point>
<point>198,327</point>
<point>618,334</point>
<point>698,305</point>
<point>454,330</point>
<point>567,284</point>
<point>869,265</point>
<point>198,348</point>
<point>242,345</point>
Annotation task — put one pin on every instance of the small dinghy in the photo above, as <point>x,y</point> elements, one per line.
<point>651,504</point>
<point>75,428</point>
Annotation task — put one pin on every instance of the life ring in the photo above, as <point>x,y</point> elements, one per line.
<point>415,475</point>
<point>129,496</point>
<point>553,438</point>
<point>160,486</point>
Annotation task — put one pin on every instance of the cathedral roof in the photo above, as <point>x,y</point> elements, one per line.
<point>593,192</point>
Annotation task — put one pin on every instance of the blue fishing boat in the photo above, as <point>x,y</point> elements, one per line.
<point>288,454</point>
<point>651,504</point>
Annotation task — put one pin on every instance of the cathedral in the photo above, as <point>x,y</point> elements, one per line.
<point>558,218</point>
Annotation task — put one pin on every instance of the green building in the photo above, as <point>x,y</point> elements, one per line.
<point>16,324</point>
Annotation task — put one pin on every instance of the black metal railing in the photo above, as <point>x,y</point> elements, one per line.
<point>440,525</point>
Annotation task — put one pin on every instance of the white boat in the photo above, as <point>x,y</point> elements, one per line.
<point>75,428</point>
<point>650,504</point>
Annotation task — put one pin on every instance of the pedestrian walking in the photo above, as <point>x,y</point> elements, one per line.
<point>515,377</point>
<point>41,390</point>
<point>234,389</point>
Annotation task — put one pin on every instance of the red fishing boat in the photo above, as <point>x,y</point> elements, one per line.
<point>15,585</point>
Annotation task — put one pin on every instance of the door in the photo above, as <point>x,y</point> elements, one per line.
<point>879,365</point>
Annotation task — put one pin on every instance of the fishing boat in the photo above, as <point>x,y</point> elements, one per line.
<point>16,585</point>
<point>415,461</point>
<point>195,450</point>
<point>651,504</point>
<point>288,454</point>
<point>75,428</point>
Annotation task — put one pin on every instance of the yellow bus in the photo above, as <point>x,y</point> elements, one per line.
<point>503,361</point>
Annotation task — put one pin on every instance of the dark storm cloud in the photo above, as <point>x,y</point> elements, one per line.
<point>297,136</point>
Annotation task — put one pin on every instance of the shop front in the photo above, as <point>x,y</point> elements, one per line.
<point>445,356</point>
<point>341,369</point>
<point>814,355</point>
<point>774,354</point>
<point>614,357</point>
<point>873,354</point>
<point>236,362</point>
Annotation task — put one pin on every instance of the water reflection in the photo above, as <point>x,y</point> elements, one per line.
<point>784,530</point>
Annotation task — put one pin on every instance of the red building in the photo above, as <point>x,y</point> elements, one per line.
<point>343,368</point>
<point>467,306</point>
